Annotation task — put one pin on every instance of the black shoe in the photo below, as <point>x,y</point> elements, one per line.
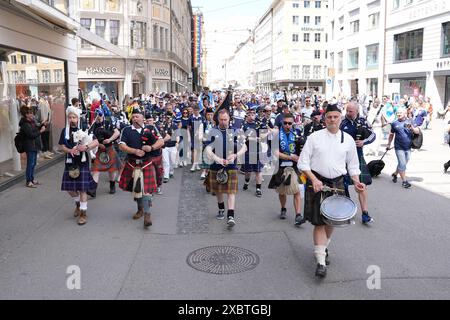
<point>406,185</point>
<point>245,188</point>
<point>321,271</point>
<point>258,193</point>
<point>112,187</point>
<point>327,258</point>
<point>394,178</point>
<point>283,214</point>
<point>299,220</point>
<point>92,193</point>
<point>446,167</point>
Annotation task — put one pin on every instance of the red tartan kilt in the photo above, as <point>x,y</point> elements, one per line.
<point>157,161</point>
<point>150,185</point>
<point>113,165</point>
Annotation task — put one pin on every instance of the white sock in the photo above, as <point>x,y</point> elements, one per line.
<point>83,206</point>
<point>319,252</point>
<point>328,243</point>
<point>76,199</point>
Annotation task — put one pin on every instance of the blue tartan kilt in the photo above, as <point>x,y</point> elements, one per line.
<point>83,183</point>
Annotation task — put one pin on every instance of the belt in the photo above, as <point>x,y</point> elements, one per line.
<point>327,180</point>
<point>139,161</point>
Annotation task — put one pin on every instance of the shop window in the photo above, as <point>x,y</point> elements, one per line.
<point>28,83</point>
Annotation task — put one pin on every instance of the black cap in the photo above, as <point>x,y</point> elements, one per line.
<point>137,111</point>
<point>333,108</point>
<point>315,113</point>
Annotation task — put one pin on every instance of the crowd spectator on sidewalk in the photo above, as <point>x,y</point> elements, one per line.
<point>31,134</point>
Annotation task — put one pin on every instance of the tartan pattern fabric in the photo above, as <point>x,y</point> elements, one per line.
<point>159,169</point>
<point>313,201</point>
<point>126,179</point>
<point>84,183</point>
<point>113,165</point>
<point>230,188</point>
<point>364,177</point>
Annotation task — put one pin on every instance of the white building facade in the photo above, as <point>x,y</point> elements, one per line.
<point>418,49</point>
<point>356,48</point>
<point>240,68</point>
<point>291,45</point>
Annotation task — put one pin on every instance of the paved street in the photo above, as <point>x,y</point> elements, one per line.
<point>409,241</point>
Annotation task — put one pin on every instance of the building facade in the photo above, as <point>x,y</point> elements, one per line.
<point>357,41</point>
<point>149,46</point>
<point>291,45</point>
<point>240,68</point>
<point>38,63</point>
<point>418,49</point>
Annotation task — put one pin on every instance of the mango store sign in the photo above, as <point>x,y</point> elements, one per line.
<point>101,70</point>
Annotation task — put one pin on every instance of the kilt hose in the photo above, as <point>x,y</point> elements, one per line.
<point>231,187</point>
<point>113,165</point>
<point>149,174</point>
<point>313,201</point>
<point>83,183</point>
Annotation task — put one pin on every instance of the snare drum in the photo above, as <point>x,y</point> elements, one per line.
<point>338,211</point>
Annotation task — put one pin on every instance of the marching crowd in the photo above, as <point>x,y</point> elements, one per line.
<point>314,148</point>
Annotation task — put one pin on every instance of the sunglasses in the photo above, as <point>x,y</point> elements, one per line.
<point>288,123</point>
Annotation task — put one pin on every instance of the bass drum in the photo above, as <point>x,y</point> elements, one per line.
<point>338,211</point>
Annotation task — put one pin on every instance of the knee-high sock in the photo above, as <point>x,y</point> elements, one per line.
<point>319,252</point>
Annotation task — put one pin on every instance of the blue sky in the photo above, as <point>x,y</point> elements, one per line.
<point>226,23</point>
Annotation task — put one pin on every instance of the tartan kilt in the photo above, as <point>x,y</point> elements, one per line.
<point>159,169</point>
<point>150,185</point>
<point>313,201</point>
<point>230,188</point>
<point>84,183</point>
<point>364,177</point>
<point>113,165</point>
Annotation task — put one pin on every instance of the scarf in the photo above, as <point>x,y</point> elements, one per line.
<point>287,142</point>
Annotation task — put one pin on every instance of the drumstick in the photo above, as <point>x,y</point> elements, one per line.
<point>328,189</point>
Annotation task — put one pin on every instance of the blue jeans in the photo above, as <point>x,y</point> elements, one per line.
<point>31,164</point>
<point>403,157</point>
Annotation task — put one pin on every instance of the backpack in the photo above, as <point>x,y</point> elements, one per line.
<point>19,141</point>
<point>417,141</point>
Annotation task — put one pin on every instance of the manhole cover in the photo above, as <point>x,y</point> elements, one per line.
<point>223,260</point>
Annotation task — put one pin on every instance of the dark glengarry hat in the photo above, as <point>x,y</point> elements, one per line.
<point>138,110</point>
<point>333,108</point>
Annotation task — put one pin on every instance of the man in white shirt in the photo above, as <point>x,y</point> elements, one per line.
<point>326,157</point>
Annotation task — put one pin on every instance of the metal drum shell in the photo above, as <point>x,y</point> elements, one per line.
<point>334,221</point>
